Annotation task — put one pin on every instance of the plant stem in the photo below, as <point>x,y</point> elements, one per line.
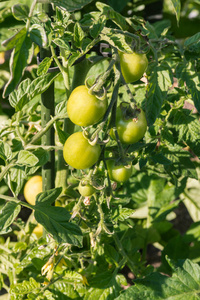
<point>16,200</point>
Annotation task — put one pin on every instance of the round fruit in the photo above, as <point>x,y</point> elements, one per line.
<point>85,109</point>
<point>32,188</point>
<point>86,190</point>
<point>119,173</point>
<point>79,153</point>
<point>133,66</point>
<point>38,230</point>
<point>130,129</point>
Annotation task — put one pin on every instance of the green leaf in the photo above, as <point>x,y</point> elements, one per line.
<point>184,284</point>
<point>160,79</point>
<point>62,43</point>
<point>160,159</point>
<point>8,214</point>
<point>116,40</point>
<point>112,15</point>
<point>62,135</point>
<point>177,8</point>
<point>28,89</point>
<point>12,41</point>
<point>38,35</point>
<point>5,151</point>
<point>20,12</point>
<point>78,35</point>
<point>44,66</point>
<point>24,287</point>
<point>71,5</point>
<point>97,26</point>
<point>56,220</point>
<point>26,158</point>
<point>20,57</point>
<point>192,40</point>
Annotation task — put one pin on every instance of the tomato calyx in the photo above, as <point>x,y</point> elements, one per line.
<point>96,89</point>
<point>129,111</point>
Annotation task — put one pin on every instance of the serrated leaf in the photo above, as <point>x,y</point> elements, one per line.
<point>116,40</point>
<point>38,35</point>
<point>28,89</point>
<point>192,40</point>
<point>71,5</point>
<point>112,15</point>
<point>78,34</point>
<point>5,151</point>
<point>44,66</point>
<point>8,214</point>
<point>20,12</point>
<point>97,26</point>
<point>20,57</point>
<point>184,284</point>
<point>177,8</point>
<point>160,79</point>
<point>160,159</point>
<point>25,287</point>
<point>62,43</point>
<point>27,158</point>
<point>11,42</point>
<point>56,220</point>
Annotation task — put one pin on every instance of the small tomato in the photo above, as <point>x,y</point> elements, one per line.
<point>79,153</point>
<point>32,188</point>
<point>86,190</point>
<point>118,173</point>
<point>130,129</point>
<point>85,109</point>
<point>133,66</point>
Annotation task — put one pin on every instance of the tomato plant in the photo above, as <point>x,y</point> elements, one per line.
<point>32,188</point>
<point>131,125</point>
<point>115,192</point>
<point>118,172</point>
<point>79,153</point>
<point>85,109</point>
<point>133,66</point>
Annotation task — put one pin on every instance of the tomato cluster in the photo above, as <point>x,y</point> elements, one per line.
<point>85,109</point>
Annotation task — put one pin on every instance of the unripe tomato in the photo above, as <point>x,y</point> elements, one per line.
<point>38,230</point>
<point>133,66</point>
<point>79,153</point>
<point>119,173</point>
<point>130,130</point>
<point>32,188</point>
<point>85,109</point>
<point>86,190</point>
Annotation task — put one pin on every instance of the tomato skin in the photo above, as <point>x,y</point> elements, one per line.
<point>118,173</point>
<point>133,66</point>
<point>78,153</point>
<point>86,190</point>
<point>85,109</point>
<point>130,130</point>
<point>32,188</point>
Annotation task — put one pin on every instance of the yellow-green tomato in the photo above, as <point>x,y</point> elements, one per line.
<point>118,173</point>
<point>130,130</point>
<point>133,66</point>
<point>79,153</point>
<point>86,190</point>
<point>85,109</point>
<point>32,188</point>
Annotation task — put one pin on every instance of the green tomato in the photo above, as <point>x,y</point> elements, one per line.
<point>119,173</point>
<point>133,66</point>
<point>79,153</point>
<point>86,190</point>
<point>85,109</point>
<point>130,130</point>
